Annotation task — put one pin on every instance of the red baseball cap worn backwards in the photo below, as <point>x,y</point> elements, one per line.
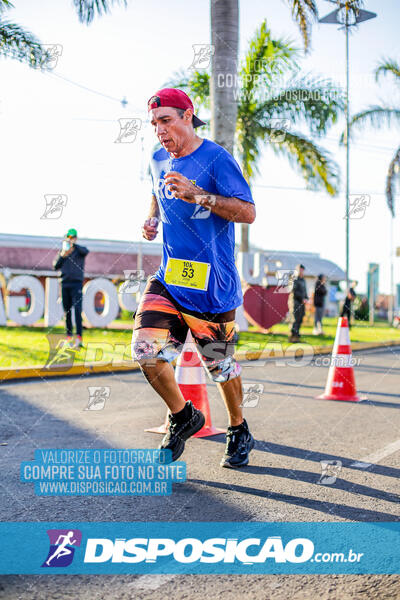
<point>175,99</point>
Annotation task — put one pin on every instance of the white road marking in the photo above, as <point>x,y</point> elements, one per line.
<point>150,582</point>
<point>374,458</point>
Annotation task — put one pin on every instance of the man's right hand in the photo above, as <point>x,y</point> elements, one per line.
<point>149,229</point>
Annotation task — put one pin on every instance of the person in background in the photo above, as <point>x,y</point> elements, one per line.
<point>296,304</point>
<point>348,303</point>
<point>70,261</point>
<point>320,292</point>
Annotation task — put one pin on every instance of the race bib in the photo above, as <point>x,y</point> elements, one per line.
<point>187,273</point>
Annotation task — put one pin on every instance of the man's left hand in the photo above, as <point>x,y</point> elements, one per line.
<point>65,253</point>
<point>181,187</point>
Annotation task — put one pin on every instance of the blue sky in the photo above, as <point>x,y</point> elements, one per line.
<point>59,138</point>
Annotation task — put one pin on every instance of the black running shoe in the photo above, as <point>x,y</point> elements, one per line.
<point>178,433</point>
<point>239,443</point>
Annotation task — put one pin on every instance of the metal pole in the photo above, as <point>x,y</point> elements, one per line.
<point>371,302</point>
<point>347,150</point>
<point>391,296</point>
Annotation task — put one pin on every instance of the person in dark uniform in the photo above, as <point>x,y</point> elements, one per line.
<point>348,303</point>
<point>70,261</point>
<point>320,292</point>
<point>297,299</point>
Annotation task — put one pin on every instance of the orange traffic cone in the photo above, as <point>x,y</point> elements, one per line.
<point>341,384</point>
<point>191,378</point>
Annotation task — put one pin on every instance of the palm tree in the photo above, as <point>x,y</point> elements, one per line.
<point>377,116</point>
<point>265,107</point>
<point>225,40</point>
<point>20,44</point>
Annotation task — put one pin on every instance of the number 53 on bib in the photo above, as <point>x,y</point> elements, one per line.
<point>187,273</point>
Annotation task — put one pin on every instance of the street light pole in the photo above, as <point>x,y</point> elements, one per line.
<point>347,154</point>
<point>348,15</point>
<point>391,295</point>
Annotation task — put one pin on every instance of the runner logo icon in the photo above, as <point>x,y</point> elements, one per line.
<point>62,547</point>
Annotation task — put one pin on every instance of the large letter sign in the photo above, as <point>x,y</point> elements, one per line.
<point>111,307</point>
<point>54,311</point>
<point>14,303</point>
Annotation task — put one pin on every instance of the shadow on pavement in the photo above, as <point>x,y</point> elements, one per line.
<point>337,510</point>
<point>305,454</point>
<point>379,403</point>
<point>24,427</point>
<point>309,477</point>
<point>320,389</point>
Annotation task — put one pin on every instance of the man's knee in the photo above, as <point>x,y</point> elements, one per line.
<point>224,370</point>
<point>147,349</point>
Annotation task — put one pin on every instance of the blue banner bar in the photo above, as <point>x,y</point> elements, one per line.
<point>193,547</point>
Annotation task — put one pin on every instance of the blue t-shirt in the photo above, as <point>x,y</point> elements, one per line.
<point>192,232</point>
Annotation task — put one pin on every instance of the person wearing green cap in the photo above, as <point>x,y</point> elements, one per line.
<point>71,261</point>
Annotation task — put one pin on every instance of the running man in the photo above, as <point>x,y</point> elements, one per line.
<point>62,549</point>
<point>199,193</point>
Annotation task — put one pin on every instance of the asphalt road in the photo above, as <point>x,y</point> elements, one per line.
<point>294,433</point>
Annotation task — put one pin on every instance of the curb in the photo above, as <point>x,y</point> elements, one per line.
<point>42,373</point>
<point>93,368</point>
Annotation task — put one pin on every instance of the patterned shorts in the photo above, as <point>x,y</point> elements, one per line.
<point>161,326</point>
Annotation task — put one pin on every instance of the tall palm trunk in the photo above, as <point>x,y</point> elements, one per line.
<point>223,84</point>
<point>225,39</point>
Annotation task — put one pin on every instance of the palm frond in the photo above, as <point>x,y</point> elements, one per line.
<point>197,86</point>
<point>375,116</point>
<point>313,101</point>
<point>304,12</point>
<point>250,147</point>
<point>5,4</point>
<point>87,9</point>
<point>19,44</point>
<point>386,66</point>
<point>314,163</point>
<point>392,175</point>
<point>266,59</point>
